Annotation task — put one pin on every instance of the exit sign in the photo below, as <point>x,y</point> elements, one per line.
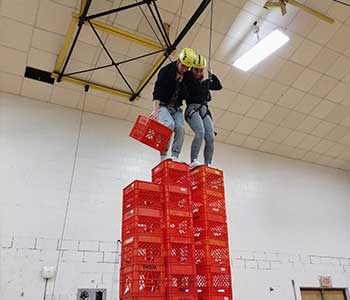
<point>326,281</point>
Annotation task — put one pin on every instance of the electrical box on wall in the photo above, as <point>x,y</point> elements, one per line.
<point>92,294</point>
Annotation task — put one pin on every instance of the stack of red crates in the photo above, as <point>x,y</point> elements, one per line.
<point>210,234</point>
<point>180,268</point>
<point>142,273</point>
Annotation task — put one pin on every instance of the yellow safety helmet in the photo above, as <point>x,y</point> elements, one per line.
<point>186,57</point>
<point>199,62</point>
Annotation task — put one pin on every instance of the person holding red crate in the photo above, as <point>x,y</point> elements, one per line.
<point>197,113</point>
<point>168,95</point>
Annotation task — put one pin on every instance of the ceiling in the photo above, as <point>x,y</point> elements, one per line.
<point>295,104</point>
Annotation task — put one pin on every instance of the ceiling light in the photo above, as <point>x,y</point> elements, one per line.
<point>261,50</point>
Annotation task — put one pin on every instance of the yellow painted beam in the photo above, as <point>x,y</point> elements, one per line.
<point>123,34</point>
<point>82,5</point>
<point>66,44</point>
<point>311,11</point>
<point>94,86</point>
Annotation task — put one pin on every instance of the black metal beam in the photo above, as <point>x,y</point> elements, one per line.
<point>161,22</point>
<point>160,27</point>
<point>177,41</point>
<point>80,25</point>
<point>110,57</point>
<point>118,9</point>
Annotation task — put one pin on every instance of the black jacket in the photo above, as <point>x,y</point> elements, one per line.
<point>198,90</point>
<point>164,88</point>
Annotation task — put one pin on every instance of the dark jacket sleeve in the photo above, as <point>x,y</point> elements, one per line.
<point>215,84</point>
<point>160,85</point>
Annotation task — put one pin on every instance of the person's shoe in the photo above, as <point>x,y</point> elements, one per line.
<point>195,163</point>
<point>163,157</point>
<point>174,158</point>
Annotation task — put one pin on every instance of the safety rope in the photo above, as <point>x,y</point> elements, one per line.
<point>210,36</point>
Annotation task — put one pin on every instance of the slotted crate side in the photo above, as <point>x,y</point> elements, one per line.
<point>212,252</point>
<point>181,284</point>
<point>171,172</point>
<point>213,280</point>
<point>143,249</point>
<point>204,229</point>
<point>180,225</point>
<point>177,199</point>
<point>151,133</point>
<point>141,225</point>
<point>206,177</point>
<point>142,194</point>
<point>142,280</point>
<point>208,202</point>
<point>179,251</point>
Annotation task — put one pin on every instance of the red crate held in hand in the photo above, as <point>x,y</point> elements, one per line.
<point>151,133</point>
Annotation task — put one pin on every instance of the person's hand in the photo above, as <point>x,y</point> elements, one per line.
<point>154,114</point>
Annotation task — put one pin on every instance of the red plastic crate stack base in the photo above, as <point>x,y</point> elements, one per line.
<point>142,280</point>
<point>142,250</point>
<point>171,172</point>
<point>142,194</point>
<point>207,177</point>
<point>213,280</point>
<point>142,298</point>
<point>151,133</point>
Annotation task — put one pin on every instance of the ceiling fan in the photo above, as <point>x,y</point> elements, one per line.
<point>283,3</point>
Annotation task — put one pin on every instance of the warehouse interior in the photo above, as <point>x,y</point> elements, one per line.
<point>76,74</point>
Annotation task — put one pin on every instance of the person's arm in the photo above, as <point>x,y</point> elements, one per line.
<point>158,91</point>
<point>215,84</point>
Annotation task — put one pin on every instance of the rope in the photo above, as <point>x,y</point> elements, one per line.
<point>210,36</point>
<point>180,16</point>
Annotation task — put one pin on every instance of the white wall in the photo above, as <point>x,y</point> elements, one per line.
<point>287,219</point>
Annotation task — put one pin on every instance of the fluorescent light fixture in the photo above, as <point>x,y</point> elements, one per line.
<point>261,50</point>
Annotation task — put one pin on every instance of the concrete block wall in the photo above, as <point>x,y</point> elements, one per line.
<point>288,220</point>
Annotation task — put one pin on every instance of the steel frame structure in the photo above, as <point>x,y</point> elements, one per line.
<point>165,46</point>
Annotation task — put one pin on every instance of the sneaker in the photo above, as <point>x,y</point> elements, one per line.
<point>174,158</point>
<point>195,163</point>
<point>163,157</point>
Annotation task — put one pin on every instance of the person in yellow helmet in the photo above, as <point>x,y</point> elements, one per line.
<point>197,113</point>
<point>168,95</point>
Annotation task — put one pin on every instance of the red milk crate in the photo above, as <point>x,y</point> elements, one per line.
<point>142,280</point>
<point>151,133</point>
<point>212,252</point>
<point>206,177</point>
<point>213,297</point>
<point>181,280</point>
<point>208,201</point>
<point>177,198</point>
<point>142,250</point>
<point>179,251</point>
<point>213,280</point>
<point>142,194</point>
<point>179,224</point>
<point>183,297</point>
<point>171,172</point>
<point>143,298</point>
<point>149,222</point>
<point>209,228</point>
